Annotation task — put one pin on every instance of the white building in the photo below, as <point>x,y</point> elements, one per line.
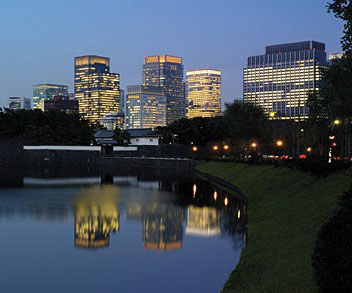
<point>143,136</point>
<point>16,103</point>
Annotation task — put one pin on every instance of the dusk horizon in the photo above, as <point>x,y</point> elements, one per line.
<point>218,36</point>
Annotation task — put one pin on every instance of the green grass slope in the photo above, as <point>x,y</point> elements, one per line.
<point>286,210</point>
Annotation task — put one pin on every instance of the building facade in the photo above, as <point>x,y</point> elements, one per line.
<point>280,80</point>
<point>16,103</point>
<point>42,92</point>
<point>61,103</point>
<point>335,56</point>
<point>113,120</point>
<point>145,107</point>
<point>167,72</point>
<point>122,104</point>
<point>96,89</point>
<point>203,93</point>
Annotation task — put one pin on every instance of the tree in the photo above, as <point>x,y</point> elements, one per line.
<point>343,9</point>
<point>245,121</point>
<point>121,137</point>
<point>51,127</point>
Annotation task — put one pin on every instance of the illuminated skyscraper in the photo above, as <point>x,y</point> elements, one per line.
<point>167,72</point>
<point>280,80</point>
<point>42,92</point>
<point>96,89</point>
<point>203,93</point>
<point>145,107</point>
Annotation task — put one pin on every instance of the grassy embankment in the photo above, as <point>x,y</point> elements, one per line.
<point>286,210</point>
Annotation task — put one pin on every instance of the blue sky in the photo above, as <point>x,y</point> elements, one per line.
<point>40,38</point>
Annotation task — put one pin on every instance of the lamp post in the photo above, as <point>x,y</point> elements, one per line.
<point>331,138</point>
<point>194,150</point>
<point>279,144</point>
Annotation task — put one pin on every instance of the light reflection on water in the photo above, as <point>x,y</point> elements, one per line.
<point>148,235</point>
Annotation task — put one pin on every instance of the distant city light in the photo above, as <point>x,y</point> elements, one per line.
<point>337,122</point>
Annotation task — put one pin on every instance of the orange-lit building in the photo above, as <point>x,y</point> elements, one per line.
<point>203,93</point>
<point>96,89</point>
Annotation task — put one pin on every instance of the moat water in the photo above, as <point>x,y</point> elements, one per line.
<point>117,233</point>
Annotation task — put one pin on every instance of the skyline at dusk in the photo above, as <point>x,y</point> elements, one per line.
<point>41,39</point>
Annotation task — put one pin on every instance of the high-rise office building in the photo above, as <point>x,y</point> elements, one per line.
<point>203,93</point>
<point>122,103</point>
<point>167,72</point>
<point>16,103</point>
<point>61,103</point>
<point>96,89</point>
<point>113,120</point>
<point>279,80</point>
<point>42,92</point>
<point>145,107</point>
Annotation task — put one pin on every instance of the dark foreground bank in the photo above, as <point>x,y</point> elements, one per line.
<point>286,210</point>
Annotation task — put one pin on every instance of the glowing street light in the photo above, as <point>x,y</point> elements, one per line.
<point>194,148</point>
<point>226,147</point>
<point>226,201</point>
<point>337,122</point>
<point>279,143</point>
<point>254,145</point>
<point>215,147</point>
<point>309,149</point>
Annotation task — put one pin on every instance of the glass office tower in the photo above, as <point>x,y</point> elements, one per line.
<point>280,80</point>
<point>96,89</point>
<point>145,107</point>
<point>167,72</point>
<point>203,93</point>
<point>42,92</point>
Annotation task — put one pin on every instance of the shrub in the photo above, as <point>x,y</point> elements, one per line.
<point>333,250</point>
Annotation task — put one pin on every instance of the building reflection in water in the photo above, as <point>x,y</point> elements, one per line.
<point>203,221</point>
<point>95,216</point>
<point>162,227</point>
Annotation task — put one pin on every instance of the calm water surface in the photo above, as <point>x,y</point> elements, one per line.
<point>118,234</point>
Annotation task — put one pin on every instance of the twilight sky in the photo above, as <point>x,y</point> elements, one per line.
<point>40,38</point>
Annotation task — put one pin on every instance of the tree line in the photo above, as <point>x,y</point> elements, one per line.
<point>45,128</point>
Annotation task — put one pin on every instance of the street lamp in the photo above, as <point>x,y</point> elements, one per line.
<point>215,147</point>
<point>194,148</point>
<point>254,145</point>
<point>337,122</point>
<point>309,149</point>
<point>226,147</point>
<point>279,143</point>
